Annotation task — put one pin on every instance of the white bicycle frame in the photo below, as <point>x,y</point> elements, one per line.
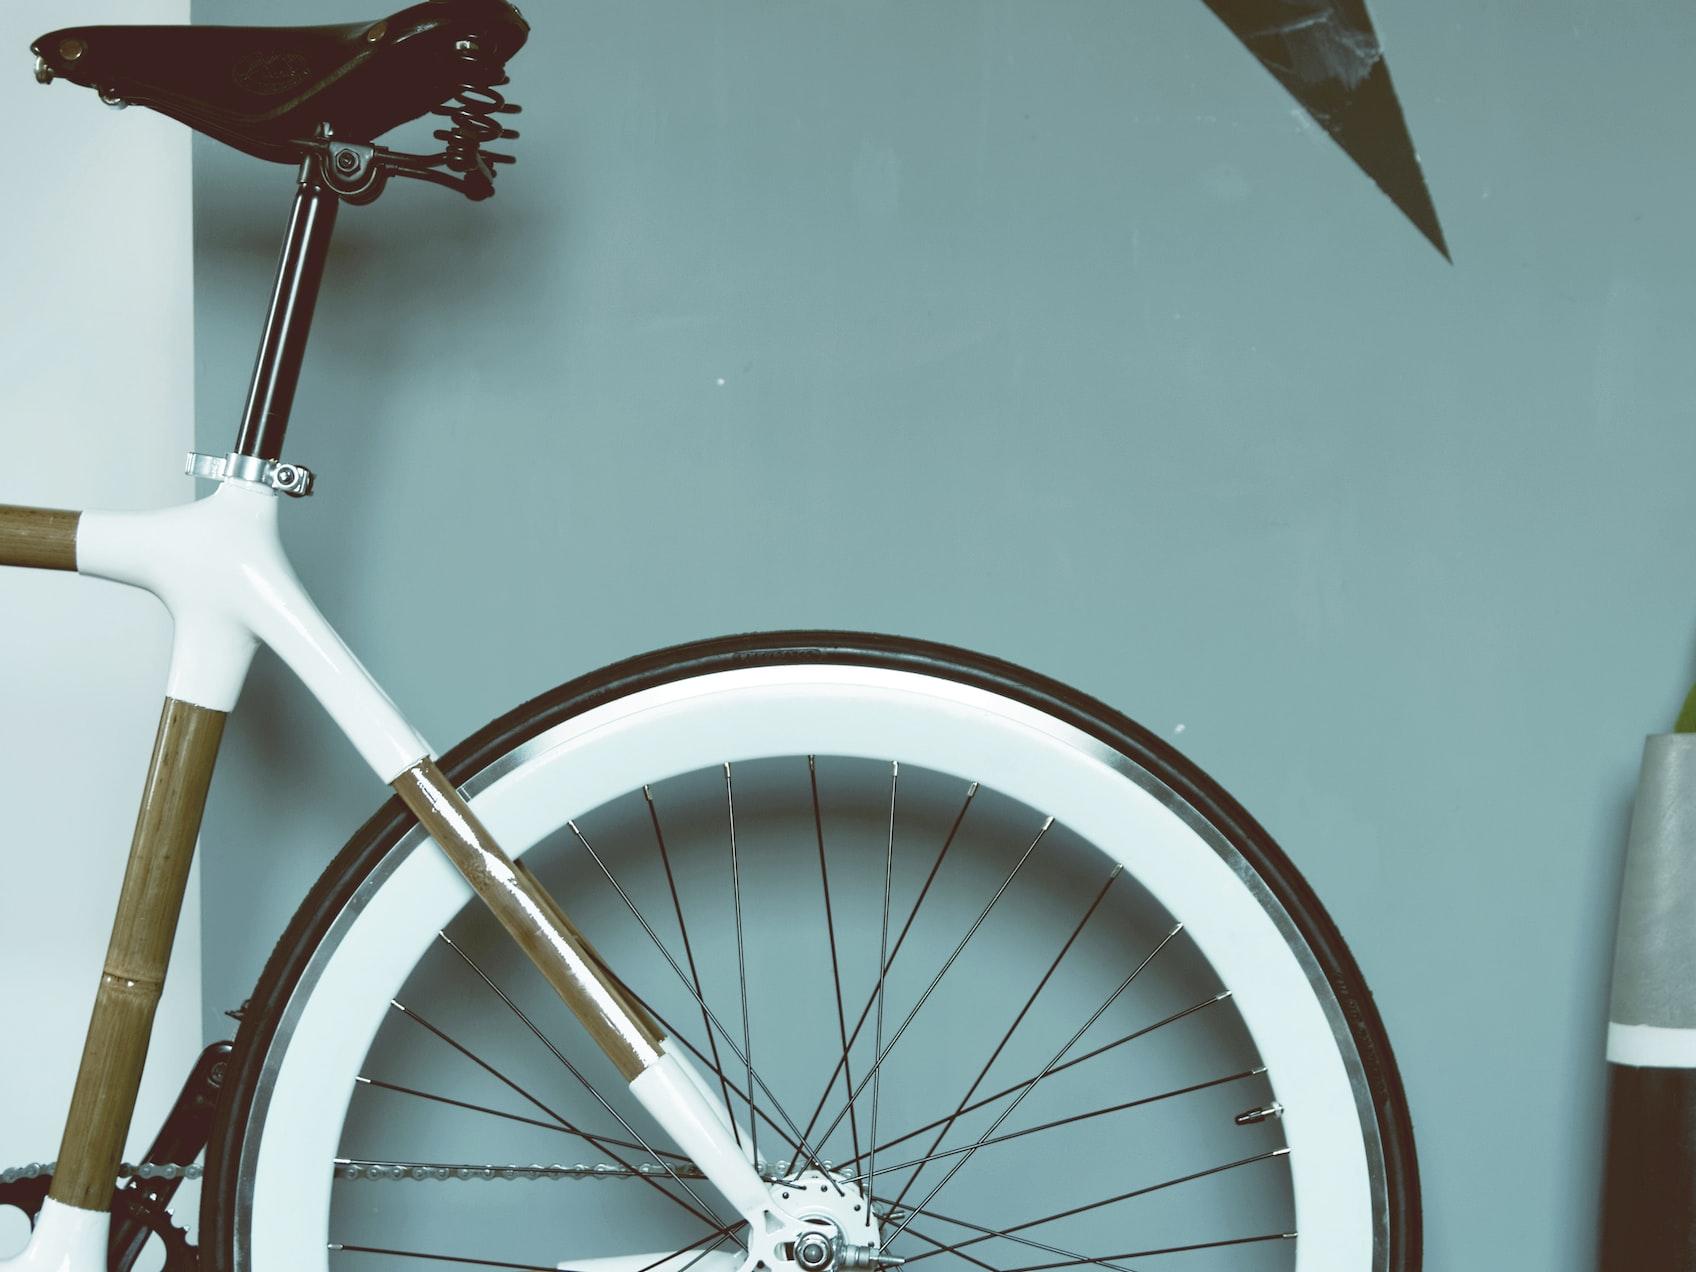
<point>219,567</point>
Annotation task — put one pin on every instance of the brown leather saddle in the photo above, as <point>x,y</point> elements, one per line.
<point>269,90</point>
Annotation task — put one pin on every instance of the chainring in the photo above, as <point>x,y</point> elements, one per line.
<point>181,1255</point>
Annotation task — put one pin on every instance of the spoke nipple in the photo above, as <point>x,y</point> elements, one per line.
<point>1281,1152</point>
<point>1249,1117</point>
<point>971,790</point>
<point>1175,930</point>
<point>1117,871</point>
<point>895,768</point>
<point>1221,996</point>
<point>647,792</point>
<point>362,1078</point>
<point>395,1003</point>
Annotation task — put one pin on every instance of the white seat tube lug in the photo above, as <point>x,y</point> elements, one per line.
<point>65,1239</point>
<point>219,567</point>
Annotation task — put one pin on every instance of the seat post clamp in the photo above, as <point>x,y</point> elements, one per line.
<point>295,480</point>
<point>354,170</point>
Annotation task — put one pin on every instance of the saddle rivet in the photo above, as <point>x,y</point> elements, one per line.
<point>71,50</point>
<point>377,32</point>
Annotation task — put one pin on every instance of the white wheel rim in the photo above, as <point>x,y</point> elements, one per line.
<point>825,709</point>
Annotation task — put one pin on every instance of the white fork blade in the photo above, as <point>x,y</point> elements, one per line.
<point>694,1260</point>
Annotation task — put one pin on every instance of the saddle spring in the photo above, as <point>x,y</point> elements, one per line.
<point>474,111</point>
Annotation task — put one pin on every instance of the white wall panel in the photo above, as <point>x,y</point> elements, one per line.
<point>96,410</point>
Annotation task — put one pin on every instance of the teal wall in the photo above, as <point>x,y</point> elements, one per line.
<point>1053,330</point>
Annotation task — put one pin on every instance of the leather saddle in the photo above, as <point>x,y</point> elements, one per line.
<point>267,90</point>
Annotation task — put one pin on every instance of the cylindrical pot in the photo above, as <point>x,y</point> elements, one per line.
<point>1649,1190</point>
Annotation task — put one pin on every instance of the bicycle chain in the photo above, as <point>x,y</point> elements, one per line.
<point>147,1170</point>
<point>415,1171</point>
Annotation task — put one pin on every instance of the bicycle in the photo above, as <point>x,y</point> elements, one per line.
<point>771,804</point>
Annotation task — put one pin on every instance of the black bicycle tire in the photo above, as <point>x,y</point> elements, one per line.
<point>391,822</point>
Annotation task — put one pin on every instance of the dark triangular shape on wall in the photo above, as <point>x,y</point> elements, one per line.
<point>1327,55</point>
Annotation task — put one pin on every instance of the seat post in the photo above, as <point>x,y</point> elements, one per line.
<point>282,346</point>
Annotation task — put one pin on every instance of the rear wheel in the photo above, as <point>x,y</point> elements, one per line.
<point>999,977</point>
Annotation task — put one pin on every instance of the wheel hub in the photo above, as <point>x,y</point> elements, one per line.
<point>838,1232</point>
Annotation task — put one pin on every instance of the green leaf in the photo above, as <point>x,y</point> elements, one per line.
<point>1687,715</point>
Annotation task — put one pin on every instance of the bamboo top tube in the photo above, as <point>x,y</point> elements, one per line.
<point>40,538</point>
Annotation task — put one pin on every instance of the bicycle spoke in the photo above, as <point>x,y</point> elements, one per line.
<point>967,1257</point>
<point>722,1235</point>
<point>566,1129</point>
<point>409,1014</point>
<point>1148,1254</point>
<point>835,966</point>
<point>741,966</point>
<point>994,1055</point>
<point>337,1247</point>
<point>1024,1241</point>
<point>882,958</point>
<point>1059,1068</point>
<point>883,1053</point>
<point>991,1233</point>
<point>578,1074</point>
<point>1065,1047</point>
<point>987,1141</point>
<point>682,976</point>
<point>689,955</point>
<point>865,1011</point>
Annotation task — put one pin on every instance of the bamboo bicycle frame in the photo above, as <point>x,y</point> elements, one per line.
<point>219,567</point>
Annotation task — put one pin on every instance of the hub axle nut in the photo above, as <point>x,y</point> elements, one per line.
<point>815,1252</point>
